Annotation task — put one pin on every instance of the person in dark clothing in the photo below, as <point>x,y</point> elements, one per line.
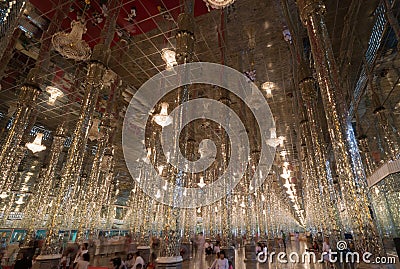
<point>22,262</point>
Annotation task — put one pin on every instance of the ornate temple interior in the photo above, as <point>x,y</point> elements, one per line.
<point>198,133</point>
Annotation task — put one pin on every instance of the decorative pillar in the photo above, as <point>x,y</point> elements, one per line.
<point>36,209</point>
<point>309,93</point>
<point>349,167</point>
<point>389,137</point>
<point>393,21</point>
<point>7,28</point>
<point>27,100</point>
<point>8,52</point>
<point>90,193</point>
<point>171,247</point>
<point>96,70</point>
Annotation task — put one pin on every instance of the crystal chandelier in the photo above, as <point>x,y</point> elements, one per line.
<point>71,45</point>
<point>36,145</point>
<point>268,87</point>
<point>163,119</point>
<point>201,184</point>
<point>54,94</point>
<point>169,58</point>
<point>218,4</point>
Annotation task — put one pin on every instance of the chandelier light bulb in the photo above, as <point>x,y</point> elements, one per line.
<point>199,210</point>
<point>54,94</point>
<point>163,119</point>
<point>36,145</point>
<point>3,195</point>
<point>201,184</point>
<point>268,87</point>
<point>169,57</point>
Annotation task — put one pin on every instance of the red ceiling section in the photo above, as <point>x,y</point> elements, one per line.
<point>147,12</point>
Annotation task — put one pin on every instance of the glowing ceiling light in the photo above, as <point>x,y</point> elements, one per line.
<point>169,57</point>
<point>54,94</point>
<point>268,87</point>
<point>199,210</point>
<point>262,197</point>
<point>3,195</point>
<point>242,204</point>
<point>163,119</point>
<point>185,192</point>
<point>283,153</point>
<point>201,184</point>
<point>165,187</point>
<point>36,145</point>
<point>216,209</point>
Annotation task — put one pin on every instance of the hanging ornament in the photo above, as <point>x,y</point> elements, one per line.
<point>36,145</point>
<point>169,57</point>
<point>71,45</point>
<point>163,119</point>
<point>218,4</point>
<point>54,94</point>
<point>201,184</point>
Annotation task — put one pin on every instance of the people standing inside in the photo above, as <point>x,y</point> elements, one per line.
<point>326,252</point>
<point>22,262</point>
<point>283,239</point>
<point>117,263</point>
<point>130,261</point>
<point>217,247</point>
<point>83,263</point>
<point>200,243</point>
<point>138,259</point>
<point>221,262</point>
<point>215,261</point>
<point>83,249</point>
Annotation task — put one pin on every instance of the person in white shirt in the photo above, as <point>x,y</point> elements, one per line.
<point>82,250</point>
<point>326,250</point>
<point>138,259</point>
<point>84,262</point>
<point>221,262</point>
